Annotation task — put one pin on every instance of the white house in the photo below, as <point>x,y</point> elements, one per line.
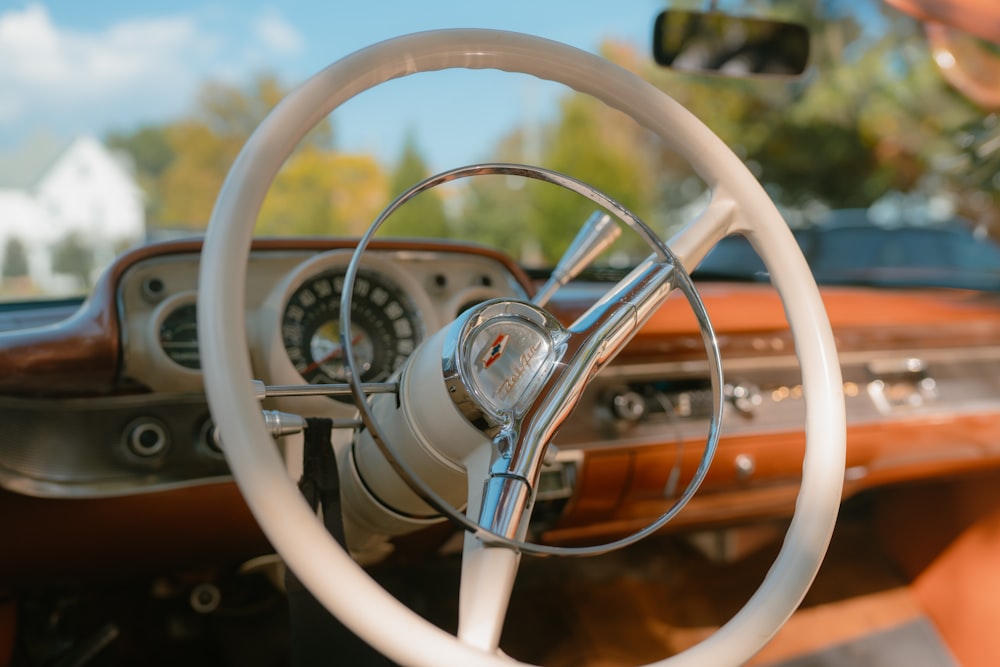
<point>55,194</point>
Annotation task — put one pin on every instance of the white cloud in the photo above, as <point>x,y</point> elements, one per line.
<point>72,81</point>
<point>277,34</point>
<point>69,79</point>
<point>41,57</point>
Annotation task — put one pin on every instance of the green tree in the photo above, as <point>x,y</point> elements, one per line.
<point>424,215</point>
<point>181,165</point>
<point>360,190</point>
<point>299,201</point>
<point>495,210</point>
<point>193,180</point>
<point>322,193</point>
<point>588,141</point>
<point>875,118</point>
<point>15,259</point>
<point>151,153</point>
<point>599,146</point>
<point>73,256</point>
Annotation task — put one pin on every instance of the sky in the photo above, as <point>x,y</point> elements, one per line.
<point>69,67</point>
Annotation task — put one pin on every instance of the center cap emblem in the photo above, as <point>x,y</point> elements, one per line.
<point>508,359</point>
<point>496,357</point>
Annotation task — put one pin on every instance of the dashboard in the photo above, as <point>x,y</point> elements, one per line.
<point>144,425</point>
<point>105,402</point>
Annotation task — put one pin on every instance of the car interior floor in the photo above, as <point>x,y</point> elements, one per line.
<point>674,591</point>
<point>911,577</point>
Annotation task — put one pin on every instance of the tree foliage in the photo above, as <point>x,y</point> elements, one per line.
<point>72,255</point>
<point>424,215</point>
<point>497,210</point>
<point>874,120</point>
<point>359,192</point>
<point>322,193</point>
<point>183,164</point>
<point>15,259</point>
<point>151,153</point>
<point>588,141</point>
<point>599,146</point>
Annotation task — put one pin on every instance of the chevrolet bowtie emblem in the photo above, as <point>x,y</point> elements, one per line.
<point>495,350</point>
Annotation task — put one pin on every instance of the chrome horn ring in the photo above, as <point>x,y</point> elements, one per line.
<point>681,281</point>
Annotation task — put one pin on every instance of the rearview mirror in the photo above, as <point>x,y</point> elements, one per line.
<point>730,45</point>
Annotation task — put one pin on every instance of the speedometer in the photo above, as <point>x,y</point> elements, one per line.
<point>385,327</point>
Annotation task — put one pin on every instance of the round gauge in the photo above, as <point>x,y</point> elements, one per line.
<point>179,336</point>
<point>385,327</point>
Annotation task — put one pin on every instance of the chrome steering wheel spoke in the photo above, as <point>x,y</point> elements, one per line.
<point>524,429</point>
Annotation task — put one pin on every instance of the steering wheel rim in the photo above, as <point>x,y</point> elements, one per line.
<point>740,205</point>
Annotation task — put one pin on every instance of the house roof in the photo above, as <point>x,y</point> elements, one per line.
<point>22,168</point>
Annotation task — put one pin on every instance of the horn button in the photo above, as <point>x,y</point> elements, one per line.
<point>502,353</point>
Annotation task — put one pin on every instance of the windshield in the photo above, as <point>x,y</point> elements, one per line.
<point>848,248</point>
<point>119,121</point>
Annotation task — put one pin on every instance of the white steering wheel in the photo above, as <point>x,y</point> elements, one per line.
<point>739,205</point>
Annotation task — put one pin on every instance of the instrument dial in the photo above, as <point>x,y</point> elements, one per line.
<point>179,337</point>
<point>385,327</point>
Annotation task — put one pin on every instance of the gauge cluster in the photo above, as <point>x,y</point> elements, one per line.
<point>385,327</point>
<point>401,295</point>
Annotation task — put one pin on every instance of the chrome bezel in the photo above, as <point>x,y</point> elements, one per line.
<point>461,355</point>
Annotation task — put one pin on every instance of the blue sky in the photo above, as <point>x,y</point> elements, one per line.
<point>71,67</point>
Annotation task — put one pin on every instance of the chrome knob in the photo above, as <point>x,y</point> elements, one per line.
<point>744,397</point>
<point>628,406</point>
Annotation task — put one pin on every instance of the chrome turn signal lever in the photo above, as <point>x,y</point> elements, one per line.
<point>280,424</point>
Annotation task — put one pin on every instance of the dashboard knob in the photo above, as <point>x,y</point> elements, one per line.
<point>745,397</point>
<point>146,438</point>
<point>628,406</point>
<point>745,466</point>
